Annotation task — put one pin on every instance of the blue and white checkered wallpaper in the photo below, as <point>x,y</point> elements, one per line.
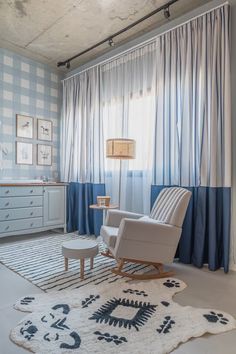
<point>29,88</point>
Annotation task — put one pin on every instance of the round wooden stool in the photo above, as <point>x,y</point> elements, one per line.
<point>80,249</point>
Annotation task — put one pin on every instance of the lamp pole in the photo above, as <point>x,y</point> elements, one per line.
<point>120,149</point>
<point>120,174</point>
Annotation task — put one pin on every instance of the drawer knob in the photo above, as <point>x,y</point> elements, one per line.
<point>7,227</point>
<point>32,213</point>
<point>31,202</point>
<point>31,191</point>
<point>32,224</point>
<point>7,191</point>
<point>7,204</point>
<point>7,216</point>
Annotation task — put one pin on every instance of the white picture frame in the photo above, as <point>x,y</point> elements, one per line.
<point>44,129</point>
<point>24,153</point>
<point>44,155</point>
<point>24,126</point>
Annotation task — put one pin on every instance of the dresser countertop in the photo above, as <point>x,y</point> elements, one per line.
<point>24,184</point>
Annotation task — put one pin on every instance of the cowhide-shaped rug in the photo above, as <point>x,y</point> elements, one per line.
<point>123,317</point>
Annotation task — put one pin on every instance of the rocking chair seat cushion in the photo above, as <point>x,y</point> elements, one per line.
<point>109,235</point>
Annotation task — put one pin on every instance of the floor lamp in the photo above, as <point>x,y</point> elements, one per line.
<point>120,149</point>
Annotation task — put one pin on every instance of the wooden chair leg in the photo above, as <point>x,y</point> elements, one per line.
<point>82,269</point>
<point>120,265</point>
<point>107,253</point>
<point>66,263</point>
<point>91,263</point>
<point>159,267</point>
<point>118,269</point>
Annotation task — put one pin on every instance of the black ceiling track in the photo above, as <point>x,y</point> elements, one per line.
<point>109,39</point>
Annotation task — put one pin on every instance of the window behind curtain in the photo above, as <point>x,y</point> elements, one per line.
<point>131,116</point>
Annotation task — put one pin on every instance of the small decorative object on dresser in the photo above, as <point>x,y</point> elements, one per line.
<point>44,129</point>
<point>44,155</point>
<point>24,153</point>
<point>24,126</point>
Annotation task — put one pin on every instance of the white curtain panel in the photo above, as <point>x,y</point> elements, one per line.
<point>82,141</point>
<point>193,108</point>
<point>128,109</point>
<point>172,96</point>
<point>136,176</point>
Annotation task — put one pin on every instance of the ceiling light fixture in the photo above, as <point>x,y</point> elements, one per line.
<point>164,7</point>
<point>110,42</point>
<point>167,12</point>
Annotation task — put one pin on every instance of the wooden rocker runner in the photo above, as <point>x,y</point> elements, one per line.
<point>149,240</point>
<point>120,264</point>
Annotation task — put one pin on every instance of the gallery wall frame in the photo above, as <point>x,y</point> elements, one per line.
<point>44,129</point>
<point>44,155</point>
<point>24,153</point>
<point>24,126</point>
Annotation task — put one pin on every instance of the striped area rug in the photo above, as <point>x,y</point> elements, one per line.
<point>40,261</point>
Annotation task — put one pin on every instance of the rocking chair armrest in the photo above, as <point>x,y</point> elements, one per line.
<point>114,217</point>
<point>148,231</point>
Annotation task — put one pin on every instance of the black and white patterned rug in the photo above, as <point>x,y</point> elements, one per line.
<point>123,317</point>
<point>41,262</point>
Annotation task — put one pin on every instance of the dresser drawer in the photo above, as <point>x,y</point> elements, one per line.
<point>20,191</point>
<point>20,202</point>
<point>21,213</point>
<point>23,224</point>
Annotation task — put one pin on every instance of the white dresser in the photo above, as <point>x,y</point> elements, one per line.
<point>29,208</point>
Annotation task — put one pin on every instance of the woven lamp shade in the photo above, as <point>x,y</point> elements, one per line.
<point>122,149</point>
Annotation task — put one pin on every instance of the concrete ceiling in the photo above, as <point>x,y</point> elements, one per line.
<point>54,30</point>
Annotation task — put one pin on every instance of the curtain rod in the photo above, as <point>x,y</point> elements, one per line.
<point>109,39</point>
<point>150,40</point>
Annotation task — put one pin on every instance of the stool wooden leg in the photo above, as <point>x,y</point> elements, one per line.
<point>82,268</point>
<point>91,263</point>
<point>66,264</point>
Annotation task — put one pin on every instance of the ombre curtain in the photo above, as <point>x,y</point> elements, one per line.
<point>82,156</point>
<point>193,132</point>
<point>172,96</point>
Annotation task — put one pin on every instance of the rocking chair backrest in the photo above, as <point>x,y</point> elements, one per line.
<point>171,205</point>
